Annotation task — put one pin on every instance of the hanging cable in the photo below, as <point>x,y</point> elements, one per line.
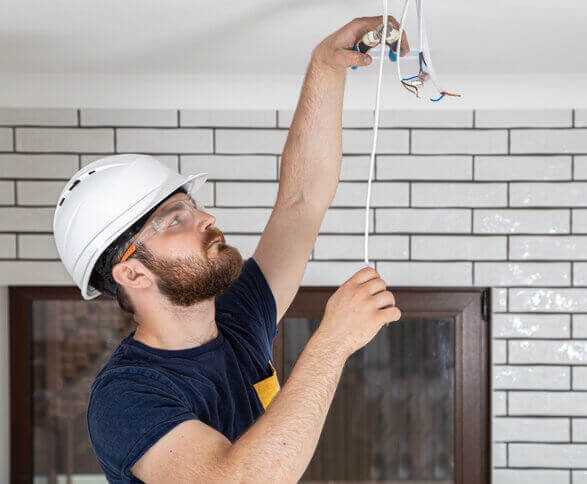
<point>375,130</point>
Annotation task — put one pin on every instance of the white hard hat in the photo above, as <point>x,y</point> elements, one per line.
<point>104,199</point>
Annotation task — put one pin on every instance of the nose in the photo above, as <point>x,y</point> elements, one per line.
<point>206,221</point>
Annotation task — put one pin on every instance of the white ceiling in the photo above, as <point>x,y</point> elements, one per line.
<point>253,53</point>
<point>176,37</point>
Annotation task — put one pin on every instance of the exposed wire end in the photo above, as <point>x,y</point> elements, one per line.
<point>444,93</point>
<point>412,89</point>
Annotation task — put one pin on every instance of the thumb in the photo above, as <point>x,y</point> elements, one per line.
<point>354,58</point>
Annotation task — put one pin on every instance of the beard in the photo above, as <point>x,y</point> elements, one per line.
<point>191,279</point>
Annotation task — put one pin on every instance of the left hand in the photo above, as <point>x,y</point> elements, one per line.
<point>336,50</point>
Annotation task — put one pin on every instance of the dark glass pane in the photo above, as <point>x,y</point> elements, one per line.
<point>392,417</point>
<point>71,342</point>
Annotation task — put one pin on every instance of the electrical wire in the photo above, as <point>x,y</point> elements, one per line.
<point>375,129</point>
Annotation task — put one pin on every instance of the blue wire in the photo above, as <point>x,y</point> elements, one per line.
<point>356,47</point>
<point>436,100</point>
<point>409,78</point>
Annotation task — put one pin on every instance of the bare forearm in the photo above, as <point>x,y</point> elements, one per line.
<point>280,445</point>
<point>311,161</point>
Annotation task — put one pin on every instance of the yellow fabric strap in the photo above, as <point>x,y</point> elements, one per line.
<point>267,388</point>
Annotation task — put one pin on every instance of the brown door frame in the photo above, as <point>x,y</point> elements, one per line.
<point>472,361</point>
<point>21,405</point>
<point>472,405</point>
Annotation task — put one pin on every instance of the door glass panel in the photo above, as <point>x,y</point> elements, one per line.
<point>71,341</point>
<point>392,417</point>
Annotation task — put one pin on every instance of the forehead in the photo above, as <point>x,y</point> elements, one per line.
<point>164,205</point>
<point>170,200</point>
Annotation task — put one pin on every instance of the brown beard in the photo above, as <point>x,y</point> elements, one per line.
<point>189,280</point>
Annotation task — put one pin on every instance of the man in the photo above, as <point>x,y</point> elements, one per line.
<point>192,395</point>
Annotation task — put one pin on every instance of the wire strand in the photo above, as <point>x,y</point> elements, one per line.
<point>375,129</point>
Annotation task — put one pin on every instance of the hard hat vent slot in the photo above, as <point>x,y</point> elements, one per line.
<point>74,184</point>
<point>61,201</point>
<point>93,171</point>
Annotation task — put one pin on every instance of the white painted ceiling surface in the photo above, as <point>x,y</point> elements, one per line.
<point>471,40</point>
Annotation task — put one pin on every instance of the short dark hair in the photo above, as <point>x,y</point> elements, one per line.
<point>101,277</point>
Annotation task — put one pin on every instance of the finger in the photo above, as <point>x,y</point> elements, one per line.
<point>365,274</point>
<point>354,58</point>
<point>383,299</point>
<point>362,25</point>
<point>405,45</point>
<point>389,315</point>
<point>373,286</point>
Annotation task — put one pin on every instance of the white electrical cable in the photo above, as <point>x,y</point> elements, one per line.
<point>399,44</point>
<point>375,128</point>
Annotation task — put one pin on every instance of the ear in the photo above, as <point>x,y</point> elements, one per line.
<point>131,273</point>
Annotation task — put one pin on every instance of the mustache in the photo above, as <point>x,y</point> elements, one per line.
<point>213,234</point>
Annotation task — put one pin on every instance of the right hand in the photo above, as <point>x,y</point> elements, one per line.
<point>357,310</point>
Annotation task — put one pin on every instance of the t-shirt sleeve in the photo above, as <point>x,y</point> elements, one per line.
<point>128,411</point>
<point>251,296</point>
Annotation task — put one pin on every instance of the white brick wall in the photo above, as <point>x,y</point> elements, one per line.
<point>487,199</point>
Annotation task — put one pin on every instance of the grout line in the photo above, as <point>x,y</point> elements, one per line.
<point>115,140</point>
<point>573,118</point>
<point>410,141</point>
<point>474,118</point>
<point>410,185</point>
<point>410,247</point>
<point>277,120</point>
<point>79,118</point>
<point>214,140</point>
<point>473,165</point>
<point>178,118</point>
<point>473,273</point>
<point>570,429</point>
<point>471,218</point>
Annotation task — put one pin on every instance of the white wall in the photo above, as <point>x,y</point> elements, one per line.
<point>484,198</point>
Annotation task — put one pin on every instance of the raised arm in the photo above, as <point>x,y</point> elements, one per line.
<point>311,162</point>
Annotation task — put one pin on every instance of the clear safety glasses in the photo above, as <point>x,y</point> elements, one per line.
<point>175,217</point>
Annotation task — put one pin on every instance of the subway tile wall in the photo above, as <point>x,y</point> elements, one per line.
<point>488,198</point>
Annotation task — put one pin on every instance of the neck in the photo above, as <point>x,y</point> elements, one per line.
<point>178,328</point>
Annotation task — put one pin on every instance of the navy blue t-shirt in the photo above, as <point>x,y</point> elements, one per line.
<point>143,392</point>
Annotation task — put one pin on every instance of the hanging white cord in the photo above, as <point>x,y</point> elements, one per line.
<point>399,43</point>
<point>375,128</point>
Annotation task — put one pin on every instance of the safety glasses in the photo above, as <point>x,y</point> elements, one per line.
<point>175,217</point>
